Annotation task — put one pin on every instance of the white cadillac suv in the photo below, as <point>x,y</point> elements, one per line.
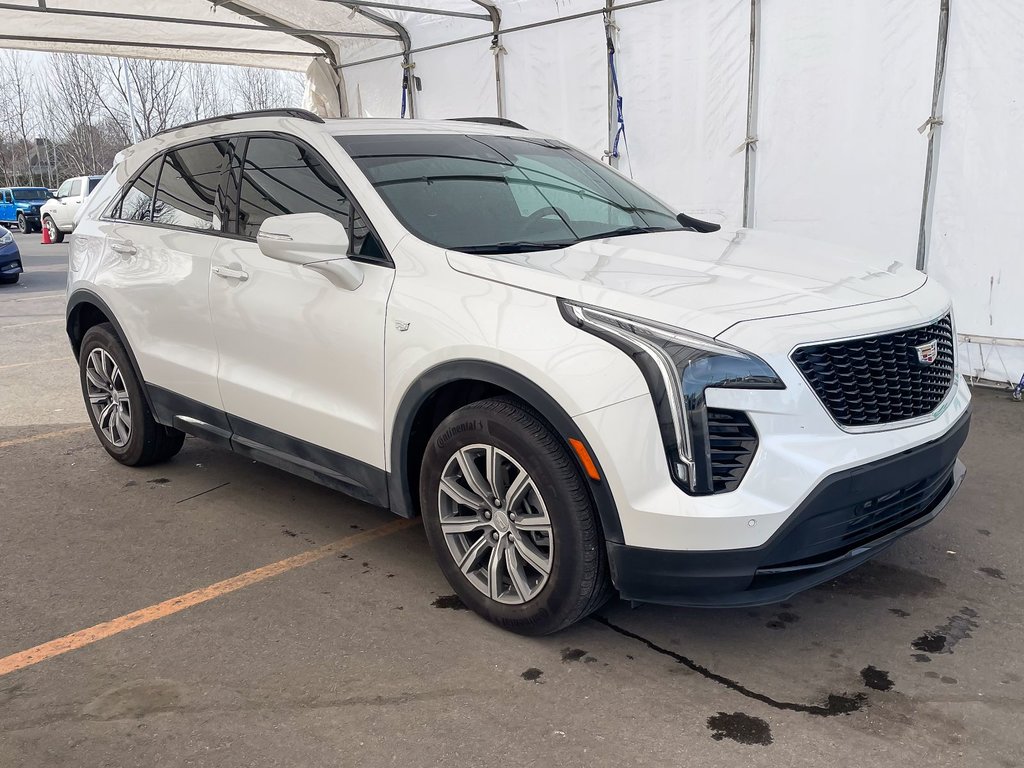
<point>578,389</point>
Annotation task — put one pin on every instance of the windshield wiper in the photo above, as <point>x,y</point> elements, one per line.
<point>518,246</point>
<point>623,231</point>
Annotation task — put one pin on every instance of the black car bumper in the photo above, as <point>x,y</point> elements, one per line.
<point>848,519</point>
<point>10,264</point>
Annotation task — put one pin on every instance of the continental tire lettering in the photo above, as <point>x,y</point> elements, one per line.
<point>458,429</point>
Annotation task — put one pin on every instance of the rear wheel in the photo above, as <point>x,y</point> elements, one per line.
<point>510,521</point>
<point>116,405</point>
<point>56,236</point>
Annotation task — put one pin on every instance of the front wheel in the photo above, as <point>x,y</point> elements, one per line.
<point>117,408</point>
<point>23,224</point>
<point>56,236</point>
<point>510,521</point>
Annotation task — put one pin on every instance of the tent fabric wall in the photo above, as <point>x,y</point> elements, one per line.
<point>978,216</point>
<point>685,101</point>
<point>564,95</point>
<point>843,88</point>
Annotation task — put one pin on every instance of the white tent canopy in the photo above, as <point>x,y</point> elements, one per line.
<point>888,124</point>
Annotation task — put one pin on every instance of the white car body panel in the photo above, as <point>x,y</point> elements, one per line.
<point>701,282</point>
<point>290,342</point>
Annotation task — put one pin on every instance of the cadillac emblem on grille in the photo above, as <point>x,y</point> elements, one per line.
<point>926,353</point>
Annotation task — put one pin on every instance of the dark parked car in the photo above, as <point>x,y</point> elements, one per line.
<point>10,258</point>
<point>20,205</point>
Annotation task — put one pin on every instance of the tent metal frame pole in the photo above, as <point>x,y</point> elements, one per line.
<point>932,125</point>
<point>613,127</point>
<point>268,27</point>
<point>509,30</point>
<point>403,37</point>
<point>750,141</point>
<point>318,42</point>
<point>410,9</point>
<point>161,46</point>
<point>499,51</point>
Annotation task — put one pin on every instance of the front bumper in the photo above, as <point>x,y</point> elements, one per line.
<point>10,260</point>
<point>850,517</point>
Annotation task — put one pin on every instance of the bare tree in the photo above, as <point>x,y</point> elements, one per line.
<point>71,106</point>
<point>16,113</point>
<point>264,88</point>
<point>158,90</point>
<point>207,95</point>
<point>83,118</point>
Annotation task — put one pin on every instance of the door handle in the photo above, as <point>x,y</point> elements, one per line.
<point>230,273</point>
<point>125,249</point>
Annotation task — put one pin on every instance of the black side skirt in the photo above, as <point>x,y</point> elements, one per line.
<point>313,462</point>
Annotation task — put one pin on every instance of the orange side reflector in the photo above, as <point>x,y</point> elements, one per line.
<point>588,463</point>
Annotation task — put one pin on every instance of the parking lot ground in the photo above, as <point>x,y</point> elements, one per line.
<point>356,655</point>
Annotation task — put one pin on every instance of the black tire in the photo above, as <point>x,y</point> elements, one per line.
<point>23,224</point>
<point>149,442</point>
<point>56,236</point>
<point>10,280</point>
<point>578,581</point>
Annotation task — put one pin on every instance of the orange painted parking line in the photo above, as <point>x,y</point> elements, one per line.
<point>67,358</point>
<point>135,619</point>
<point>42,436</point>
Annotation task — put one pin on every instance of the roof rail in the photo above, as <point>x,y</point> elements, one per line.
<point>301,114</point>
<point>503,122</point>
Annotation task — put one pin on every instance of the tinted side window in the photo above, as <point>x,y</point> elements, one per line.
<point>93,183</point>
<point>137,203</point>
<point>76,188</point>
<point>280,177</point>
<point>187,195</point>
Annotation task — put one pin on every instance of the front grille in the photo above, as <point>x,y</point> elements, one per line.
<point>833,532</point>
<point>733,442</point>
<point>879,380</point>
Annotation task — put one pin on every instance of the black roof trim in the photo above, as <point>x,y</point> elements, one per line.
<point>503,122</point>
<point>301,114</point>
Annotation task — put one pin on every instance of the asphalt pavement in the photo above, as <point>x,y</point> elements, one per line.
<point>216,612</point>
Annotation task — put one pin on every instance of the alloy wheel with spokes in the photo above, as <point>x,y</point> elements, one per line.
<point>495,523</point>
<point>508,516</point>
<point>108,397</point>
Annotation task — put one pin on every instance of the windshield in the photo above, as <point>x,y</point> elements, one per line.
<point>499,194</point>
<point>30,193</point>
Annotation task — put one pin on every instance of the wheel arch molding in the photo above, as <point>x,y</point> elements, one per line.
<point>78,309</point>
<point>450,385</point>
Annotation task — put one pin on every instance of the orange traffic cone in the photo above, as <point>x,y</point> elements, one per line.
<point>46,235</point>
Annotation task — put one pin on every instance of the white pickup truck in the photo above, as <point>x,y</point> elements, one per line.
<point>58,214</point>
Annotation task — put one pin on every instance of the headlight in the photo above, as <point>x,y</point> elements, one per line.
<point>6,237</point>
<point>678,366</point>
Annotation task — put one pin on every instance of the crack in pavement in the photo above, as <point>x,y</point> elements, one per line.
<point>835,704</point>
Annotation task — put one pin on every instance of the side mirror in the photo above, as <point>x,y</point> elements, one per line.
<point>697,225</point>
<point>314,241</point>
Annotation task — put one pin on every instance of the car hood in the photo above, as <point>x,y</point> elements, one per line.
<point>21,203</point>
<point>704,283</point>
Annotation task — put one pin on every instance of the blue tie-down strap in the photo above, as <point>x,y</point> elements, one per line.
<point>405,88</point>
<point>621,132</point>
